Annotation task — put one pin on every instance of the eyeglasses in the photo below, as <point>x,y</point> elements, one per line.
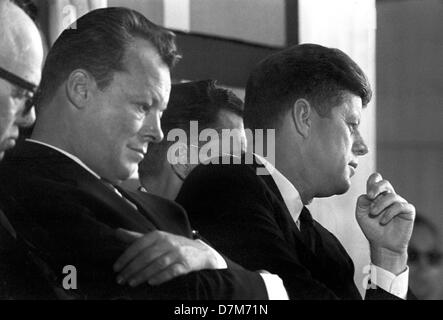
<point>432,257</point>
<point>24,89</point>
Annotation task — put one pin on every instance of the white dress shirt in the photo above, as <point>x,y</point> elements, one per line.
<point>274,284</point>
<point>396,285</point>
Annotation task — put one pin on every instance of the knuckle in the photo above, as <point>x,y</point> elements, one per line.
<point>162,263</point>
<point>181,252</point>
<point>166,261</point>
<point>176,270</point>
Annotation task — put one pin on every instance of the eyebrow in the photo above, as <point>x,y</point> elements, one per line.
<point>138,101</point>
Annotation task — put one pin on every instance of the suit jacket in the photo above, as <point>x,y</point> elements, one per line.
<point>70,217</point>
<point>19,277</point>
<point>244,216</point>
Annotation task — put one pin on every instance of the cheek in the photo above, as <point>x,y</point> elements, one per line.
<point>6,122</point>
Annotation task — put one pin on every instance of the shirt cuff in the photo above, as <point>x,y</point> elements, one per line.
<point>221,263</point>
<point>395,285</point>
<point>274,286</point>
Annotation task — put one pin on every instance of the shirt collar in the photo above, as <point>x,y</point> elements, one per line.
<point>290,194</point>
<point>74,158</point>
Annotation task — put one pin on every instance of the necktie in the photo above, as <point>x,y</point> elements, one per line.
<point>119,192</point>
<point>307,228</point>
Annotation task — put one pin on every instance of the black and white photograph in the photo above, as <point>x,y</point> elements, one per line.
<point>220,154</point>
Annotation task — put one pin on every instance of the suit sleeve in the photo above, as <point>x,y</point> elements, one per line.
<point>229,206</point>
<point>65,231</point>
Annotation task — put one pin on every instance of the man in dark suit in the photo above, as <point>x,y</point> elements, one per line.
<point>201,107</point>
<point>255,212</point>
<point>105,85</point>
<point>21,56</point>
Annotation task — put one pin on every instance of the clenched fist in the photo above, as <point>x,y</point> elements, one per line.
<point>387,221</point>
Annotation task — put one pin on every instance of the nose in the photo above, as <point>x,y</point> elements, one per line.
<point>25,120</point>
<point>359,147</point>
<point>152,131</point>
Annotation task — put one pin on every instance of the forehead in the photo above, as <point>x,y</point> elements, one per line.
<point>350,107</point>
<point>21,45</point>
<point>146,74</point>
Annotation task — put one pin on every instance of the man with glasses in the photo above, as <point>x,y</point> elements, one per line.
<point>21,56</point>
<point>425,260</point>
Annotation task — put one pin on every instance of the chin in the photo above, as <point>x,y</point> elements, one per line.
<point>343,187</point>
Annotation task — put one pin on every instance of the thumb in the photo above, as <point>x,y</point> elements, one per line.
<point>127,236</point>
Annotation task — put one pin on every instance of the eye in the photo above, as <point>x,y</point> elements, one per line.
<point>353,126</point>
<point>18,93</point>
<point>144,108</point>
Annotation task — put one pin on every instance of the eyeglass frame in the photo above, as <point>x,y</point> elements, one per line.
<point>30,88</point>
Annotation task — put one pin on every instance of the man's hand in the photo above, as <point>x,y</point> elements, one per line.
<point>159,256</point>
<point>387,221</point>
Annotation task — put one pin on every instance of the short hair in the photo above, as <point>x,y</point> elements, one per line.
<point>199,101</point>
<point>319,74</point>
<point>97,42</point>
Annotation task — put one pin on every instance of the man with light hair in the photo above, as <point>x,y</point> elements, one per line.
<point>21,57</point>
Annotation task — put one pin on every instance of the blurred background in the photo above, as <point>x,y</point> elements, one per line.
<point>399,44</point>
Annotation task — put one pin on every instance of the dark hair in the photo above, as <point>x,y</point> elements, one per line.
<point>319,74</point>
<point>199,101</point>
<point>97,43</point>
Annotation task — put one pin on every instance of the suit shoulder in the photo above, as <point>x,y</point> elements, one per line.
<point>226,168</point>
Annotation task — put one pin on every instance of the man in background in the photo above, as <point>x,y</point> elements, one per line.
<point>425,260</point>
<point>193,108</point>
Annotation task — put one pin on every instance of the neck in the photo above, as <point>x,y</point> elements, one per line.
<point>50,133</point>
<point>291,162</point>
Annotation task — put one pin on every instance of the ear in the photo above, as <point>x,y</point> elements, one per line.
<point>182,167</point>
<point>79,87</point>
<point>302,116</point>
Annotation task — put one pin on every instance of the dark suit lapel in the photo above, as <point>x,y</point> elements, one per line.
<point>272,186</point>
<point>68,171</point>
<point>143,207</point>
<point>309,257</point>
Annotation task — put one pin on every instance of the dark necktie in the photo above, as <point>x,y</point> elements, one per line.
<point>119,191</point>
<point>307,228</point>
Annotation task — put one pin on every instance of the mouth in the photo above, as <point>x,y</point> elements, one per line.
<point>353,166</point>
<point>141,151</point>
